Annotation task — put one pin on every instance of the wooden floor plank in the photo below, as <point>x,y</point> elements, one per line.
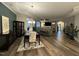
<point>55,45</point>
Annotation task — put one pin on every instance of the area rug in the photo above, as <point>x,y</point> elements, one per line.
<point>32,46</point>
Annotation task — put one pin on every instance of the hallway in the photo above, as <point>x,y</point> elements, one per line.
<point>56,45</point>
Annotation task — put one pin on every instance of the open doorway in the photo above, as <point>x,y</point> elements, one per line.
<point>30,23</point>
<point>60,26</point>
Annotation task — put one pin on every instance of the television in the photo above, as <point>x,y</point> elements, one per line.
<point>47,23</point>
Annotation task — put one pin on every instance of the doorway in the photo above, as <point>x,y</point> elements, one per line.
<point>60,26</point>
<point>30,24</point>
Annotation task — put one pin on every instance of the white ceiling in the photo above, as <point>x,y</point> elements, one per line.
<point>42,9</point>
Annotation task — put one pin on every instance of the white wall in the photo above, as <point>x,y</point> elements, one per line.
<point>69,20</point>
<point>42,24</point>
<point>21,17</point>
<point>76,22</point>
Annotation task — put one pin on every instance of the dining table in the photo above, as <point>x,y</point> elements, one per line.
<point>27,35</point>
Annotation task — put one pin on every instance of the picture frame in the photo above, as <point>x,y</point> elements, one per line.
<point>5,25</point>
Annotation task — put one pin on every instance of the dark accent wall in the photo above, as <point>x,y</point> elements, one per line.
<point>4,11</point>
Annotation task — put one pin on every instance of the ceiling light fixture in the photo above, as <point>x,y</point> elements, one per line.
<point>32,5</point>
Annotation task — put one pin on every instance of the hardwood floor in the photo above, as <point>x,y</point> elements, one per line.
<point>56,45</point>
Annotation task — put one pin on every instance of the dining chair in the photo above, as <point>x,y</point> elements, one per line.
<point>30,29</point>
<point>32,38</point>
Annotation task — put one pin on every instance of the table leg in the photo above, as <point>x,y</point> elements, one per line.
<point>24,42</point>
<point>39,40</point>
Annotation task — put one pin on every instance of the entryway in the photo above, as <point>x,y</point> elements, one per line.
<point>60,26</point>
